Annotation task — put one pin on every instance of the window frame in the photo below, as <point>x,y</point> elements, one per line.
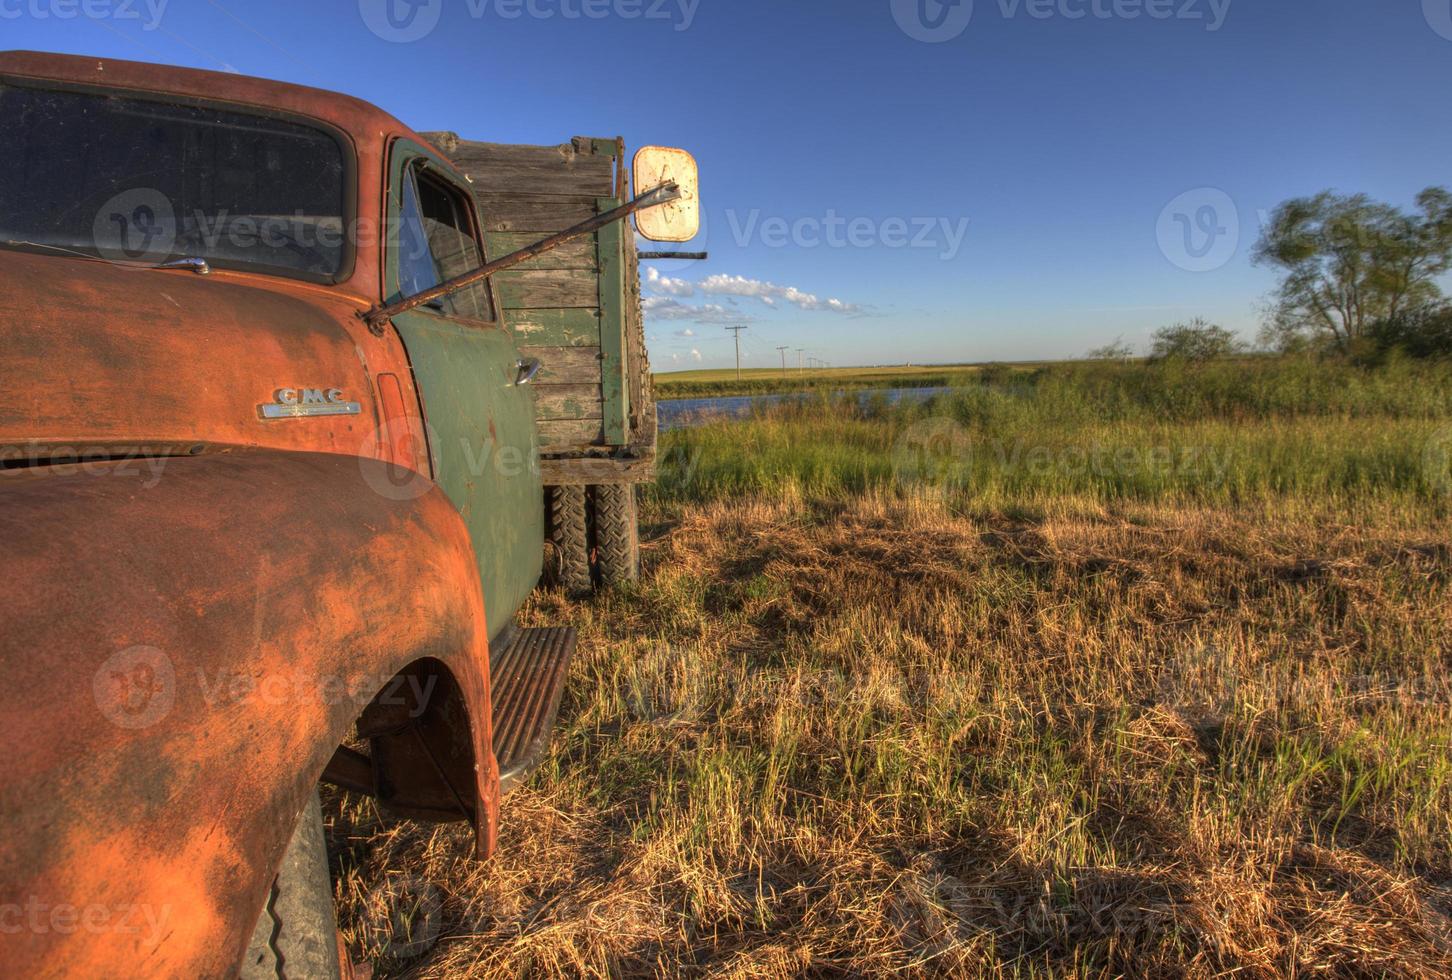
<point>406,158</point>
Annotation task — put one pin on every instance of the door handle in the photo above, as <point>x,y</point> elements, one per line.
<point>528,367</point>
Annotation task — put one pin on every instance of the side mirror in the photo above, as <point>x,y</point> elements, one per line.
<point>680,220</point>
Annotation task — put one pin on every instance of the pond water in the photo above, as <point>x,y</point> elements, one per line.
<point>681,413</point>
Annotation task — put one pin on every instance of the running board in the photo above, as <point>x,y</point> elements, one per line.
<point>526,679</point>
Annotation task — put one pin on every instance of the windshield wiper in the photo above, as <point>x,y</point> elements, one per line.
<point>54,248</point>
<point>198,265</point>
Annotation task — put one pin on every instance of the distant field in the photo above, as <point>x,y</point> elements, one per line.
<point>842,374</point>
<point>1095,671</point>
<point>755,381</point>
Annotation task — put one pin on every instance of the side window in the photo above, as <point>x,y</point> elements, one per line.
<point>417,269</point>
<point>451,239</point>
<point>436,244</point>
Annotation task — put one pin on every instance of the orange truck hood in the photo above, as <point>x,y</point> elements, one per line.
<point>122,361</point>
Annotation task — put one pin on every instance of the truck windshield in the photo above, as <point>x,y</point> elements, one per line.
<point>131,179</point>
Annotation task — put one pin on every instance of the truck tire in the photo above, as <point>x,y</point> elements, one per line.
<point>617,535</point>
<point>297,933</point>
<point>570,536</point>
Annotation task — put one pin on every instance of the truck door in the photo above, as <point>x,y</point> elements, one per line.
<point>476,397</point>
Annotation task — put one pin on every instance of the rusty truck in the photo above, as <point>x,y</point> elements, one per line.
<point>271,493</point>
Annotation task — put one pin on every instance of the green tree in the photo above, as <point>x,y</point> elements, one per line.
<point>1117,351</point>
<point>1421,333</point>
<point>1198,340</point>
<point>1349,262</point>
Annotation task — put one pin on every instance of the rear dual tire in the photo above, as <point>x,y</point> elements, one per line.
<point>617,535</point>
<point>596,537</point>
<point>570,535</point>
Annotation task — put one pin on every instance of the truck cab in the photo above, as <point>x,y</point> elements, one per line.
<point>256,539</point>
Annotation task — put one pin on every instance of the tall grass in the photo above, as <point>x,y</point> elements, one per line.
<point>1223,433</point>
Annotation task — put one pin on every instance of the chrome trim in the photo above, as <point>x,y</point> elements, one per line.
<point>310,411</point>
<point>199,266</point>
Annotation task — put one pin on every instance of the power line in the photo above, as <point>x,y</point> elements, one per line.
<point>248,27</point>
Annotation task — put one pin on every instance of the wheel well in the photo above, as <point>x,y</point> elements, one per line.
<point>421,763</point>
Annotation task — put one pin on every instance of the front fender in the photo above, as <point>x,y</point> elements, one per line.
<point>184,646</point>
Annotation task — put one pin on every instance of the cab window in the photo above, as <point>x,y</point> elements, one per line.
<point>132,179</point>
<point>436,243</point>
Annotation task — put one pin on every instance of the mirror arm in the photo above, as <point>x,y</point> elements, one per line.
<point>379,315</point>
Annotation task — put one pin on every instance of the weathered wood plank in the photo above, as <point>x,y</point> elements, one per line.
<point>645,440</point>
<point>561,156</point>
<point>555,403</point>
<point>569,156</point>
<point>555,328</point>
<point>637,362</point>
<point>596,472</point>
<point>614,388</point>
<point>579,254</point>
<point>495,174</point>
<point>444,141</point>
<point>566,365</point>
<point>516,213</point>
<point>557,289</point>
<point>566,169</point>
<point>563,437</point>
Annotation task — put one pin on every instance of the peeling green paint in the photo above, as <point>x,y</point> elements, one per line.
<point>555,328</point>
<point>614,391</point>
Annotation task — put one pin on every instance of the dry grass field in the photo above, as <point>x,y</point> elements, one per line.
<point>893,699</point>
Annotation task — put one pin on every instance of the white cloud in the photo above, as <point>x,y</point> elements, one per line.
<point>688,332</point>
<point>695,355</point>
<point>770,292</point>
<point>718,314</point>
<point>665,308</point>
<point>715,313</point>
<point>667,286</point>
<point>709,314</point>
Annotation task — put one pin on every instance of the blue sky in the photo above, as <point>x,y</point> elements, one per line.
<point>891,180</point>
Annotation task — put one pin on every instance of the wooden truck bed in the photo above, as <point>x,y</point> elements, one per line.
<point>576,308</point>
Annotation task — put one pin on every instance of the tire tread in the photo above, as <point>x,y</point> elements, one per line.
<point>570,536</point>
<point>617,534</point>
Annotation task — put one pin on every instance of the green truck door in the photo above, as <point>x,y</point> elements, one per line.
<point>481,418</point>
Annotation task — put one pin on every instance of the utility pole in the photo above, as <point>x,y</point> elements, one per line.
<point>801,372</point>
<point>783,360</point>
<point>737,332</point>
